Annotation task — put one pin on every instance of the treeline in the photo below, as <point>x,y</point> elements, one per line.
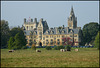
<point>11,38</point>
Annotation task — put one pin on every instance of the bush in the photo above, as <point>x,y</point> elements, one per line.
<point>55,48</point>
<point>60,47</point>
<point>48,47</point>
<point>68,47</point>
<point>24,47</point>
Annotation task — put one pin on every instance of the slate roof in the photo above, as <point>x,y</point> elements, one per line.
<point>53,31</point>
<point>27,32</point>
<point>59,31</point>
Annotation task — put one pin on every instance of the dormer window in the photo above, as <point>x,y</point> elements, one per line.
<point>34,33</point>
<point>46,32</point>
<point>58,31</point>
<point>51,32</point>
<point>63,31</point>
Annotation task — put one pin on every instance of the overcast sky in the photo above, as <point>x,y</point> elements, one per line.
<point>56,13</point>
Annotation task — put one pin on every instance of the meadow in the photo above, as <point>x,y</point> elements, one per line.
<point>85,57</point>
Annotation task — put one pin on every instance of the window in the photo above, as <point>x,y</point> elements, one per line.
<point>51,42</point>
<point>62,43</point>
<point>43,38</point>
<point>43,42</point>
<point>75,35</point>
<point>57,39</point>
<point>71,36</point>
<point>63,31</point>
<point>46,36</point>
<point>40,33</point>
<point>71,40</point>
<point>27,27</point>
<point>34,36</point>
<point>31,27</point>
<point>47,42</point>
<point>62,36</point>
<point>58,43</point>
<point>62,40</point>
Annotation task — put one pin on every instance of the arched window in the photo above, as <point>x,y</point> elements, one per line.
<point>27,27</point>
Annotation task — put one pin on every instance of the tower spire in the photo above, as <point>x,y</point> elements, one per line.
<point>72,11</point>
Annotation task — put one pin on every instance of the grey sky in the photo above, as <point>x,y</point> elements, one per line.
<point>56,13</point>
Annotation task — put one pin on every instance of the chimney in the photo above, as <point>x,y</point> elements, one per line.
<point>56,30</point>
<point>31,20</point>
<point>35,20</point>
<point>63,27</point>
<point>24,20</point>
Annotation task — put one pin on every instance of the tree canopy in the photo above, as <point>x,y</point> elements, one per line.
<point>19,38</point>
<point>4,32</point>
<point>97,40</point>
<point>90,31</point>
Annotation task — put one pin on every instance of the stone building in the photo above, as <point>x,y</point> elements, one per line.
<point>39,32</point>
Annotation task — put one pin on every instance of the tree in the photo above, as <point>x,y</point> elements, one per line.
<point>19,38</point>
<point>20,41</point>
<point>4,32</point>
<point>97,40</point>
<point>67,41</point>
<point>11,43</point>
<point>15,30</point>
<point>90,31</point>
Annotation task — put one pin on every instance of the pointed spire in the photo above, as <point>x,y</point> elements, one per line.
<point>72,11</point>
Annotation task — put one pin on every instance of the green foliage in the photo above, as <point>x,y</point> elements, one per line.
<point>19,39</point>
<point>89,32</point>
<point>24,47</point>
<point>48,47</point>
<point>15,30</point>
<point>11,43</point>
<point>4,32</point>
<point>60,47</point>
<point>68,47</point>
<point>55,48</point>
<point>96,42</point>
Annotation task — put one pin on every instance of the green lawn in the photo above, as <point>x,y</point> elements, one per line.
<point>85,57</point>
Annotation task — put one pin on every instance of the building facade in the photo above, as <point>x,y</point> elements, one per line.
<point>39,32</point>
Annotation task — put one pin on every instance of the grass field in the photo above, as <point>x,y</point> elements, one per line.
<point>85,57</point>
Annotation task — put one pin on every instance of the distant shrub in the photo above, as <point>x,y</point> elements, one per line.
<point>24,47</point>
<point>55,48</point>
<point>48,47</point>
<point>68,47</point>
<point>33,47</point>
<point>60,47</point>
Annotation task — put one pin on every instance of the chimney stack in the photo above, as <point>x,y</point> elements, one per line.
<point>24,20</point>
